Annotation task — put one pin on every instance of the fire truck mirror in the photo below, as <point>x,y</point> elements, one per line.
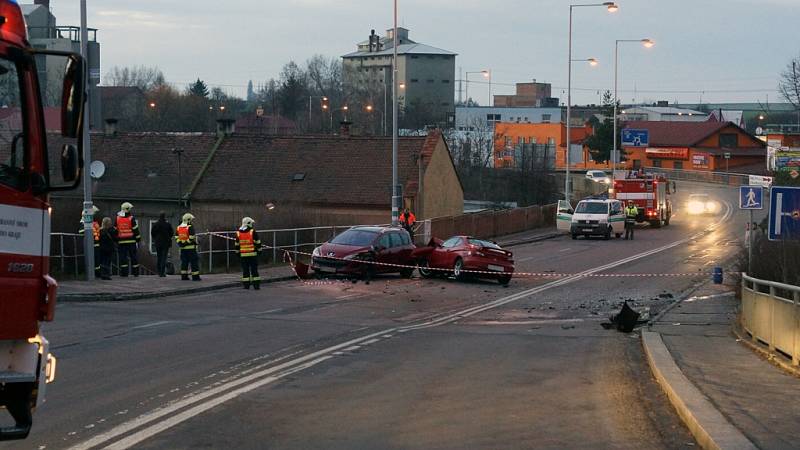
<point>70,163</point>
<point>72,97</point>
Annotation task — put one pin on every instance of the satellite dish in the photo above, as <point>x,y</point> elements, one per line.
<point>97,169</point>
<point>759,131</point>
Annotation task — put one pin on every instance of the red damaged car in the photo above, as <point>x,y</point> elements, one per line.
<point>463,253</point>
<point>347,253</point>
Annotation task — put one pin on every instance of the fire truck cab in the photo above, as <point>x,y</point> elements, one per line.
<point>649,192</point>
<point>36,158</point>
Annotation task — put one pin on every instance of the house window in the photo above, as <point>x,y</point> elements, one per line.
<point>508,141</point>
<point>656,163</point>
<point>430,80</point>
<point>414,57</point>
<point>677,165</point>
<point>493,118</point>
<point>727,140</point>
<point>446,81</point>
<point>546,118</point>
<point>445,104</point>
<point>414,80</point>
<point>300,176</point>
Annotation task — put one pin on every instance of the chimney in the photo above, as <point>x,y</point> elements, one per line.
<point>110,128</point>
<point>45,3</point>
<point>373,42</point>
<point>225,127</point>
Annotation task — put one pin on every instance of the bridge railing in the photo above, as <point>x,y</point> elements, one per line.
<point>702,176</point>
<point>771,315</point>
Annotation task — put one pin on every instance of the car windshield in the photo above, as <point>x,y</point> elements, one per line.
<point>591,208</point>
<point>482,243</point>
<point>11,129</point>
<point>355,237</point>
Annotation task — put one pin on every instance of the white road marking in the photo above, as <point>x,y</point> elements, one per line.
<point>269,375</point>
<point>357,294</point>
<point>268,311</point>
<point>526,259</point>
<point>154,324</point>
<point>565,249</point>
<point>371,341</point>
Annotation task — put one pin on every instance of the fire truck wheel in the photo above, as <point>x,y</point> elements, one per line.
<point>655,223</point>
<point>666,221</point>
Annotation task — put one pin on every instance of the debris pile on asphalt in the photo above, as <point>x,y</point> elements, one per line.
<point>626,320</point>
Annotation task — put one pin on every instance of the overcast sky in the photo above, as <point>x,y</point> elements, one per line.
<point>709,50</point>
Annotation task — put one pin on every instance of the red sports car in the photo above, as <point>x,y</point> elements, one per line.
<point>463,253</point>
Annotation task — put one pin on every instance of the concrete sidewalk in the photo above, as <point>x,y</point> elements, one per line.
<point>151,286</point>
<point>727,394</point>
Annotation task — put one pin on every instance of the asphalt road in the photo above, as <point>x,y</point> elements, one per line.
<point>394,364</point>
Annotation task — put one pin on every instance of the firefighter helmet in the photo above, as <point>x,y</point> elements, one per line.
<point>127,207</point>
<point>95,209</point>
<point>188,218</point>
<point>248,222</point>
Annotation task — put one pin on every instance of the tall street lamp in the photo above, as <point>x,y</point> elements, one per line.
<point>395,188</point>
<point>647,43</point>
<point>486,74</point>
<point>310,97</point>
<point>611,7</point>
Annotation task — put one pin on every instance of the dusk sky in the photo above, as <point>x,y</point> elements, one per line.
<point>709,50</point>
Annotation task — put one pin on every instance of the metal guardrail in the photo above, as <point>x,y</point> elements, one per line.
<point>771,315</point>
<point>702,176</point>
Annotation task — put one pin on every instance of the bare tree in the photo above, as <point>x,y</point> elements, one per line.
<point>789,83</point>
<point>143,77</point>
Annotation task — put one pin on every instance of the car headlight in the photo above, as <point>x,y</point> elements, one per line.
<point>711,206</point>
<point>316,251</point>
<point>696,207</point>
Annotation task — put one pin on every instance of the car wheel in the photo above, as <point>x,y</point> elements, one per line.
<point>617,235</point>
<point>607,236</point>
<point>458,269</point>
<point>424,270</point>
<point>504,280</point>
<point>407,273</point>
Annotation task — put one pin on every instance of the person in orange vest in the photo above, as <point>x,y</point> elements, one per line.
<point>128,238</point>
<point>187,242</point>
<point>248,243</point>
<point>96,236</point>
<point>407,221</point>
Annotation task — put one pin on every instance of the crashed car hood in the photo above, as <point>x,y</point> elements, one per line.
<point>340,251</point>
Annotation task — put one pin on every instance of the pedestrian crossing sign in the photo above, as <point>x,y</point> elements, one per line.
<point>751,197</point>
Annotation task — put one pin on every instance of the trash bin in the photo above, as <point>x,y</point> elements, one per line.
<point>717,275</point>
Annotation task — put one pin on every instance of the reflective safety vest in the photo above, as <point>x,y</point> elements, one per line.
<point>631,211</point>
<point>409,219</point>
<point>96,233</point>
<point>125,228</point>
<point>247,246</point>
<point>184,238</point>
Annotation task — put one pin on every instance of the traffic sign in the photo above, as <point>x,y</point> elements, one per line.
<point>784,213</point>
<point>759,180</point>
<point>635,138</point>
<point>751,197</point>
<point>727,155</point>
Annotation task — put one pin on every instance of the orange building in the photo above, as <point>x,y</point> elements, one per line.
<point>711,146</point>
<point>510,137</point>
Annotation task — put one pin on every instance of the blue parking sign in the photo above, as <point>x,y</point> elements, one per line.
<point>751,197</point>
<point>784,213</point>
<point>635,138</point>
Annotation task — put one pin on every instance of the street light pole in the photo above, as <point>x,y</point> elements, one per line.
<point>395,187</point>
<point>611,7</point>
<point>615,152</point>
<point>88,234</point>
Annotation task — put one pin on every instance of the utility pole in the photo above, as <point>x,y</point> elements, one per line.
<point>395,187</point>
<point>88,233</point>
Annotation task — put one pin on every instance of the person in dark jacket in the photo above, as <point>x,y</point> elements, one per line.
<point>106,243</point>
<point>162,234</point>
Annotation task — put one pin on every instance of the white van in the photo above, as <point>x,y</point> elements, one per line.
<point>598,217</point>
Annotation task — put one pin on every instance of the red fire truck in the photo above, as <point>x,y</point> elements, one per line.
<point>649,192</point>
<point>29,170</point>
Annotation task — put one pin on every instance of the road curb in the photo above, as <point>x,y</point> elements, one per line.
<point>711,429</point>
<point>530,240</point>
<point>121,297</point>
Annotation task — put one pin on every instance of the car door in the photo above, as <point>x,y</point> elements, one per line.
<point>383,253</point>
<point>448,253</point>
<point>564,214</point>
<point>404,249</point>
<point>616,217</point>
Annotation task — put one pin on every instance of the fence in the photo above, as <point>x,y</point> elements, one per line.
<point>66,256</point>
<point>494,223</point>
<point>771,315</point>
<point>732,179</point>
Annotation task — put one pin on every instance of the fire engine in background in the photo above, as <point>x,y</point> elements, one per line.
<point>649,192</point>
<point>29,170</point>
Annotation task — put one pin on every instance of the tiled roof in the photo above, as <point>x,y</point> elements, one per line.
<point>678,134</point>
<point>334,170</point>
<point>142,165</point>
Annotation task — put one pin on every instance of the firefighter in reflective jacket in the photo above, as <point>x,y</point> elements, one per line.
<point>96,238</point>
<point>187,242</point>
<point>128,238</point>
<point>249,244</point>
<point>407,220</point>
<point>631,212</point>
